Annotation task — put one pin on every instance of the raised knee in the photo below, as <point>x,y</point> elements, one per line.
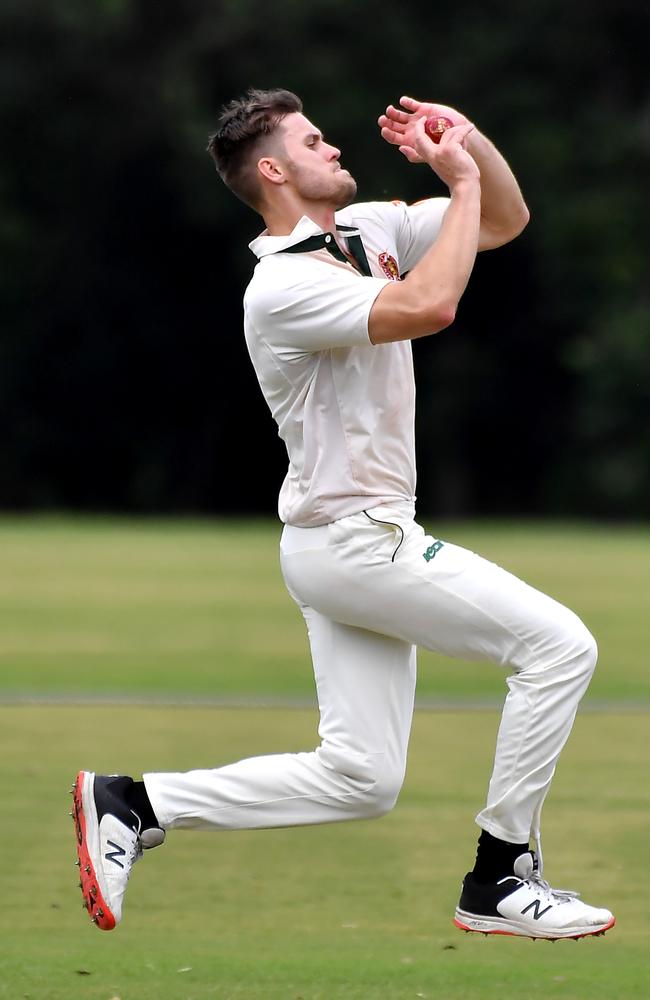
<point>591,647</point>
<point>570,650</point>
<point>582,645</point>
<point>590,650</point>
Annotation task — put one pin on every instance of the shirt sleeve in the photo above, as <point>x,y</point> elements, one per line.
<point>316,312</point>
<point>417,227</point>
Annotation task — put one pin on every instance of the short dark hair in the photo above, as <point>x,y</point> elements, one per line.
<point>241,127</point>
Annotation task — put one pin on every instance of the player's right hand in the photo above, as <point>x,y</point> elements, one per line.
<point>449,158</point>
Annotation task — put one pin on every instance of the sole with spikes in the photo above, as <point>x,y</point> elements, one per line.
<point>93,901</point>
<point>504,931</point>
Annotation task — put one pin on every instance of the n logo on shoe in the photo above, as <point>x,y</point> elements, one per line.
<point>535,905</point>
<point>113,856</point>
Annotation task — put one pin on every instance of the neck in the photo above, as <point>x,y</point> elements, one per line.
<point>281,221</point>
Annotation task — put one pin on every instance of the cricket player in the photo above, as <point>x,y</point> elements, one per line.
<point>339,292</point>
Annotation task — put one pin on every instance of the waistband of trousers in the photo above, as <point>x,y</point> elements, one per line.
<point>295,539</point>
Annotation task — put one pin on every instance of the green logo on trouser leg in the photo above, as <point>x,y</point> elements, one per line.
<point>432,551</point>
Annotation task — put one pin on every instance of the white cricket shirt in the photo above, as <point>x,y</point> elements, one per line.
<point>344,407</point>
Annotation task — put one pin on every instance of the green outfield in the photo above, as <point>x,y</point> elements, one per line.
<point>168,608</point>
<point>164,610</point>
<point>360,910</point>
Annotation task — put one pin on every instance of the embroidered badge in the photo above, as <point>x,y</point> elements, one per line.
<point>388,264</point>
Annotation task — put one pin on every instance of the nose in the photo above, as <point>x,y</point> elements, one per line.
<point>334,153</point>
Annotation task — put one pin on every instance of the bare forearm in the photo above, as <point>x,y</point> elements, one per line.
<point>503,209</point>
<point>426,300</point>
<point>442,275</point>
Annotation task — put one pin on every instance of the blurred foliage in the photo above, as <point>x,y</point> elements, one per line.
<point>124,380</point>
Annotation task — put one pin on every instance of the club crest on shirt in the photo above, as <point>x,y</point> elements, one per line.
<point>388,264</point>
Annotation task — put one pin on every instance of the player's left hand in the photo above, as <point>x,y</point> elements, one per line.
<point>397,123</point>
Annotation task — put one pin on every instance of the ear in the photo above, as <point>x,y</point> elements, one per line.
<point>271,170</point>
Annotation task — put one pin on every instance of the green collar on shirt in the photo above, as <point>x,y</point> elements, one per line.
<point>327,241</point>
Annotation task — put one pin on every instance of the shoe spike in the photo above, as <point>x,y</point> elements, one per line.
<point>78,863</point>
<point>87,869</point>
<point>100,913</point>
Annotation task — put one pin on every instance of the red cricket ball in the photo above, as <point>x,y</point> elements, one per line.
<point>435,126</point>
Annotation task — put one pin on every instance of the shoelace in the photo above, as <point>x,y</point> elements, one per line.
<point>563,895</point>
<point>535,880</point>
<point>137,851</point>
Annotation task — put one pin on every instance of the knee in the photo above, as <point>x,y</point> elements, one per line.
<point>590,651</point>
<point>581,650</point>
<point>368,785</point>
<point>591,648</point>
<point>380,795</point>
<point>568,651</point>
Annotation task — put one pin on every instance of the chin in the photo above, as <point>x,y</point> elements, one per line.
<point>347,193</point>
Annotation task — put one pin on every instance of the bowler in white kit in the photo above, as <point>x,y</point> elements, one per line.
<point>339,291</point>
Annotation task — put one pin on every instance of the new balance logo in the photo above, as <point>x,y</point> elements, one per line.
<point>113,856</point>
<point>535,905</point>
<point>432,551</point>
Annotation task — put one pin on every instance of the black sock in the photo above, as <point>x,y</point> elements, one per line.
<point>495,858</point>
<point>138,800</point>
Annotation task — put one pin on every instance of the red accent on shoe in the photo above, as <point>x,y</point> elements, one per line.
<point>98,909</point>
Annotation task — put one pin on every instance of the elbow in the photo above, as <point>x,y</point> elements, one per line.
<point>493,237</point>
<point>431,311</point>
<point>434,319</point>
<point>407,312</point>
<point>518,223</point>
<point>444,317</point>
<point>524,219</point>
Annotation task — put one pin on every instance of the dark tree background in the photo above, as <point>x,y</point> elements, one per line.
<point>124,379</point>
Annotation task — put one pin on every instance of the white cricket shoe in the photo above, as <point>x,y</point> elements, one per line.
<point>524,904</point>
<point>109,842</point>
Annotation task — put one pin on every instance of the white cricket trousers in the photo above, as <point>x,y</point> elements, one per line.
<point>372,587</point>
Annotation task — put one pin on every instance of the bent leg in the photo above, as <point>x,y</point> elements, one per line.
<point>448,599</point>
<point>365,684</point>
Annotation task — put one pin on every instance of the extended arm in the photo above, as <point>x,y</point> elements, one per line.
<point>503,210</point>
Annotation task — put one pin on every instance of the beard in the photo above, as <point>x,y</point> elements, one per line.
<point>349,193</point>
<point>337,189</point>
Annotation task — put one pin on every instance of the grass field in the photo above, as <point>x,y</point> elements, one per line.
<point>357,910</point>
<point>199,608</point>
<point>362,910</point>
